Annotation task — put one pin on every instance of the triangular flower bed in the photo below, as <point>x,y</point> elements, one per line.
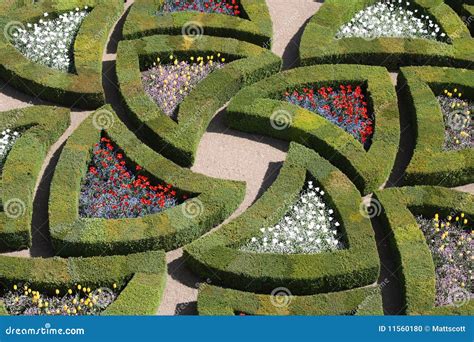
<point>178,140</point>
<point>439,157</point>
<point>228,7</point>
<point>40,127</point>
<point>271,107</point>
<point>331,37</point>
<point>220,257</point>
<point>115,189</point>
<point>246,20</point>
<point>50,42</point>
<point>169,83</point>
<point>148,214</point>
<point>109,285</point>
<point>423,278</point>
<point>68,72</point>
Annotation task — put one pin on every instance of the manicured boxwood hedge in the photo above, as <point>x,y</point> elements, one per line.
<point>143,276</point>
<point>178,141</point>
<point>465,9</point>
<point>416,267</point>
<point>430,164</point>
<point>74,236</point>
<point>40,127</point>
<point>257,109</point>
<point>216,255</point>
<point>213,300</point>
<point>254,24</point>
<point>319,45</point>
<point>81,89</point>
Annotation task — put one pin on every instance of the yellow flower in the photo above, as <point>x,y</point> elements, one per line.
<point>171,57</point>
<point>79,287</point>
<point>223,60</point>
<point>457,218</point>
<point>69,291</point>
<point>114,285</point>
<point>15,287</point>
<point>455,90</point>
<point>465,221</point>
<point>462,214</point>
<point>450,218</point>
<point>57,291</point>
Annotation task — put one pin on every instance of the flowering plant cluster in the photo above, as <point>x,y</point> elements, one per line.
<point>7,140</point>
<point>51,42</point>
<point>80,300</point>
<point>345,107</point>
<point>457,120</point>
<point>111,189</point>
<point>308,227</point>
<point>169,84</point>
<point>391,18</point>
<point>229,7</point>
<point>451,244</point>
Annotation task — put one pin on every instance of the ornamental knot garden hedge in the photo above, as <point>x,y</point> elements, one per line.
<point>123,192</point>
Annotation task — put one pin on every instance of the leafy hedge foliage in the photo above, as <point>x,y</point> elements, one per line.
<point>254,25</point>
<point>216,256</point>
<point>364,301</point>
<point>83,89</point>
<point>170,229</point>
<point>319,45</point>
<point>430,164</point>
<point>178,141</point>
<point>465,9</point>
<point>142,274</point>
<point>417,271</point>
<point>256,108</point>
<point>40,127</point>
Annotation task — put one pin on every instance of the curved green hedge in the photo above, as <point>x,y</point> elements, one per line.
<point>253,110</point>
<point>216,255</point>
<point>416,267</point>
<point>255,25</point>
<point>465,9</point>
<point>178,141</point>
<point>430,164</point>
<point>142,275</point>
<point>83,89</point>
<point>170,229</point>
<point>213,300</point>
<point>319,45</point>
<point>40,127</point>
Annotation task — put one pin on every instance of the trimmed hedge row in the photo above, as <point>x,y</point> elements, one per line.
<point>430,164</point>
<point>141,275</point>
<point>216,255</point>
<point>416,266</point>
<point>178,141</point>
<point>40,127</point>
<point>72,235</point>
<point>319,45</point>
<point>465,9</point>
<point>213,300</point>
<point>82,89</point>
<point>254,25</point>
<point>258,108</point>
